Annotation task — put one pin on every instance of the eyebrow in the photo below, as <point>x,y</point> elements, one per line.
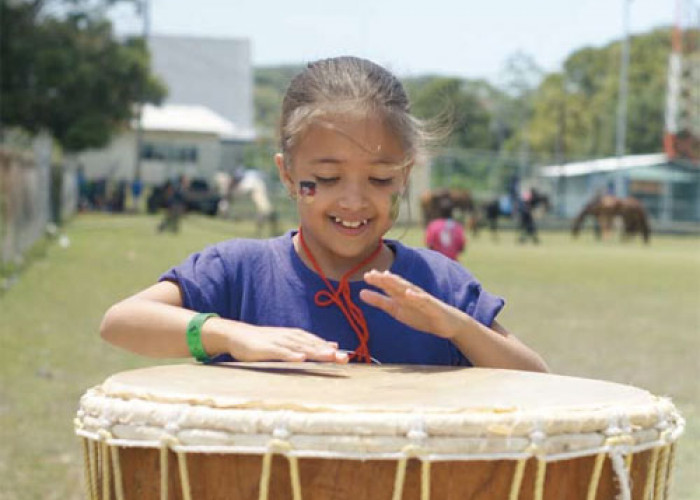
<point>386,162</point>
<point>327,159</point>
<point>381,161</point>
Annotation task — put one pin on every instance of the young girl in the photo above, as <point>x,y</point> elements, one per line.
<point>334,290</point>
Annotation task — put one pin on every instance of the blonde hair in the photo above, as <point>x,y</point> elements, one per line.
<point>350,85</point>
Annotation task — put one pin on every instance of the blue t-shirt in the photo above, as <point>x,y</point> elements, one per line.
<point>265,282</point>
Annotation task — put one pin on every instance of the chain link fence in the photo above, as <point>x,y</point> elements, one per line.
<point>34,193</point>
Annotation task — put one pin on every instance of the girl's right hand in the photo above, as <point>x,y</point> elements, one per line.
<point>257,343</point>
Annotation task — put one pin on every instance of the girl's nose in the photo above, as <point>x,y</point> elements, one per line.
<point>353,196</point>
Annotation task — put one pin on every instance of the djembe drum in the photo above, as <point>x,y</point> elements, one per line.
<point>319,431</point>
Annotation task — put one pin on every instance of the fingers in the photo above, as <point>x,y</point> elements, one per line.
<point>281,344</point>
<point>314,351</point>
<point>390,283</point>
<point>386,304</point>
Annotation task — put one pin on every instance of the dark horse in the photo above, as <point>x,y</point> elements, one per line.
<point>504,206</point>
<point>606,208</point>
<point>432,200</point>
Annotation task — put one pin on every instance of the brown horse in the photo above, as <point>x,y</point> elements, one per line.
<point>432,200</point>
<point>606,208</point>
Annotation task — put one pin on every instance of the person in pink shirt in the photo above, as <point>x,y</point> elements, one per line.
<point>445,234</point>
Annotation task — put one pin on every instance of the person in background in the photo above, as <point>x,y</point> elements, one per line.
<point>446,235</point>
<point>252,183</point>
<point>174,205</point>
<point>526,221</point>
<point>136,192</point>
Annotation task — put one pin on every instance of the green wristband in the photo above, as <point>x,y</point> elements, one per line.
<point>194,336</point>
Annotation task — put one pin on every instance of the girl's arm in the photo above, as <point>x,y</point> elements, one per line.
<point>492,347</point>
<point>154,323</point>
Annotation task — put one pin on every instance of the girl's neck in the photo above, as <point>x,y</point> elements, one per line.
<point>336,268</point>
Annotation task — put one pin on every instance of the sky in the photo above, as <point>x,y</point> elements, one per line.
<point>465,38</point>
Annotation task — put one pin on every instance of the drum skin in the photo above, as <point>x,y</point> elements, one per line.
<point>451,404</point>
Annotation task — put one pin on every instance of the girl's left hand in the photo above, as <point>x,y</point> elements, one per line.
<point>412,305</point>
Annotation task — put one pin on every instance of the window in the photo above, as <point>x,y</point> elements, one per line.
<point>169,152</point>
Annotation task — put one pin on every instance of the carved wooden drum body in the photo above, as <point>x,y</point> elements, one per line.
<point>318,431</point>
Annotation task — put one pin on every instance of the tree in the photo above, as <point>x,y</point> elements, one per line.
<point>69,75</point>
<point>586,91</point>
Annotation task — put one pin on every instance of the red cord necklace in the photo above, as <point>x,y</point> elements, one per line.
<point>341,297</point>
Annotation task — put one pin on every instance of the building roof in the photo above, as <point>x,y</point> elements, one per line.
<point>604,165</point>
<point>192,119</point>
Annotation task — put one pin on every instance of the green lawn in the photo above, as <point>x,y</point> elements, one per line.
<point>613,311</point>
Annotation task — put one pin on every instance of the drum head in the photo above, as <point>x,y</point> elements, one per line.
<point>369,408</point>
<point>370,388</point>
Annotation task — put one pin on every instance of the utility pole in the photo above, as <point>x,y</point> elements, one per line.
<point>621,130</point>
<point>143,9</point>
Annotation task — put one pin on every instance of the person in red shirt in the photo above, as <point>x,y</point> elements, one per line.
<point>445,234</point>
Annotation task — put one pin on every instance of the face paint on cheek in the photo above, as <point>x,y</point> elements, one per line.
<point>395,205</point>
<point>307,190</point>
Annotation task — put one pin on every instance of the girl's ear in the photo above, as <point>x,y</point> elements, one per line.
<point>284,173</point>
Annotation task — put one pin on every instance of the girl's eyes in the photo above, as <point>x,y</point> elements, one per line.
<point>374,180</point>
<point>326,180</point>
<point>381,182</point>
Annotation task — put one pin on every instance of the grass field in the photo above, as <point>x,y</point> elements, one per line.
<point>619,312</point>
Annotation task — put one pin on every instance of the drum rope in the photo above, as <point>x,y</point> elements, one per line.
<point>95,457</point>
<point>539,481</point>
<point>111,453</point>
<point>538,438</point>
<point>622,475</point>
<point>87,469</point>
<point>517,479</point>
<point>105,469</point>
<point>164,470</point>
<point>619,443</point>
<point>618,446</point>
<point>184,475</point>
<point>661,470</point>
<point>651,473</point>
<point>628,461</point>
<point>595,476</point>
<point>117,473</point>
<point>283,447</point>
<point>411,451</point>
<point>669,473</point>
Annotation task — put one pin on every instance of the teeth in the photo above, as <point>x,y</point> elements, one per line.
<point>353,225</point>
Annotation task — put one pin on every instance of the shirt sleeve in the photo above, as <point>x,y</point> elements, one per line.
<point>482,305</point>
<point>469,296</point>
<point>202,281</point>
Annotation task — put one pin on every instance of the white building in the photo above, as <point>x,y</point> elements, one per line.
<point>669,190</point>
<point>177,139</point>
<point>205,119</point>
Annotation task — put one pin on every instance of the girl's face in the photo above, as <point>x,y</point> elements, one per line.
<point>347,176</point>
